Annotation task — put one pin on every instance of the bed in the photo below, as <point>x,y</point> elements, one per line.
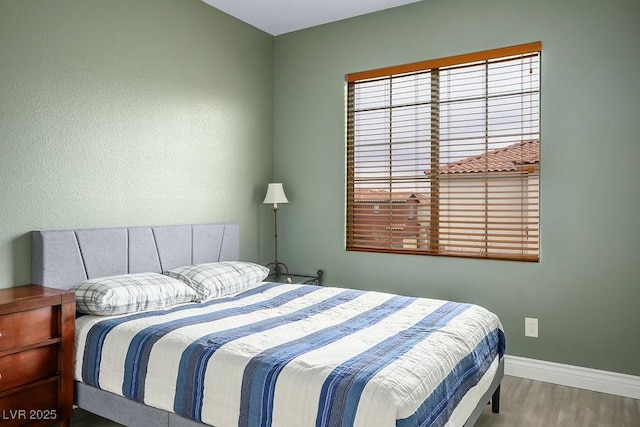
<point>265,353</point>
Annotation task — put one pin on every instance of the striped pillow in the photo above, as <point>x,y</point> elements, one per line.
<point>130,293</point>
<point>218,279</point>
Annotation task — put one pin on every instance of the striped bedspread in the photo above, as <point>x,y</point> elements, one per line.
<point>295,355</point>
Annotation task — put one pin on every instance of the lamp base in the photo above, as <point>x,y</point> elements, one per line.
<point>276,267</point>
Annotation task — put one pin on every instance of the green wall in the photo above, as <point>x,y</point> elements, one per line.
<point>120,113</point>
<point>586,288</point>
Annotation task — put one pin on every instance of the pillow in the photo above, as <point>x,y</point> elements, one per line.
<point>217,279</point>
<point>129,293</point>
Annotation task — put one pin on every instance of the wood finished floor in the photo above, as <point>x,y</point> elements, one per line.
<point>524,403</point>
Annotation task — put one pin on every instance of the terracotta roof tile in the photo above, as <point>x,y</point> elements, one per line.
<point>378,195</point>
<point>504,159</point>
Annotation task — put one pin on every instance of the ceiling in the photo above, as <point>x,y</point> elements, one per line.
<point>284,16</point>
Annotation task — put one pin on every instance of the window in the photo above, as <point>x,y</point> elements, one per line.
<point>447,152</point>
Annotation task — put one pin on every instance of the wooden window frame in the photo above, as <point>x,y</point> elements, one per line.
<point>392,237</point>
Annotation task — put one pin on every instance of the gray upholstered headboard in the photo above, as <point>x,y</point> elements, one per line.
<point>62,258</point>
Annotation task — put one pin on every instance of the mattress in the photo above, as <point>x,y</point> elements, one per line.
<point>298,355</point>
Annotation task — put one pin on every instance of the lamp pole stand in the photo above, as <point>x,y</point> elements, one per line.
<point>276,264</point>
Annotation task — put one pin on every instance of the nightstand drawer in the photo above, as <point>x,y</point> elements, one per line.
<point>28,366</point>
<point>38,403</point>
<point>27,327</point>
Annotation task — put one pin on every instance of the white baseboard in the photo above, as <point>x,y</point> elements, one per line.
<point>573,376</point>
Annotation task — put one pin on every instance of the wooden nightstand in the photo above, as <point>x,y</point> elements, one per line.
<point>36,355</point>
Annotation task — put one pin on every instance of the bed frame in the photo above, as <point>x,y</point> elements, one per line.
<point>62,258</point>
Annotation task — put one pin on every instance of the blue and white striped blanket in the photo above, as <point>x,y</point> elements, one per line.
<point>295,355</point>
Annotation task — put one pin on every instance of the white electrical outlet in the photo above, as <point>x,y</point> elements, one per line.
<point>531,327</point>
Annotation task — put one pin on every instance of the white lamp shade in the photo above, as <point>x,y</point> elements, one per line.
<point>275,194</point>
